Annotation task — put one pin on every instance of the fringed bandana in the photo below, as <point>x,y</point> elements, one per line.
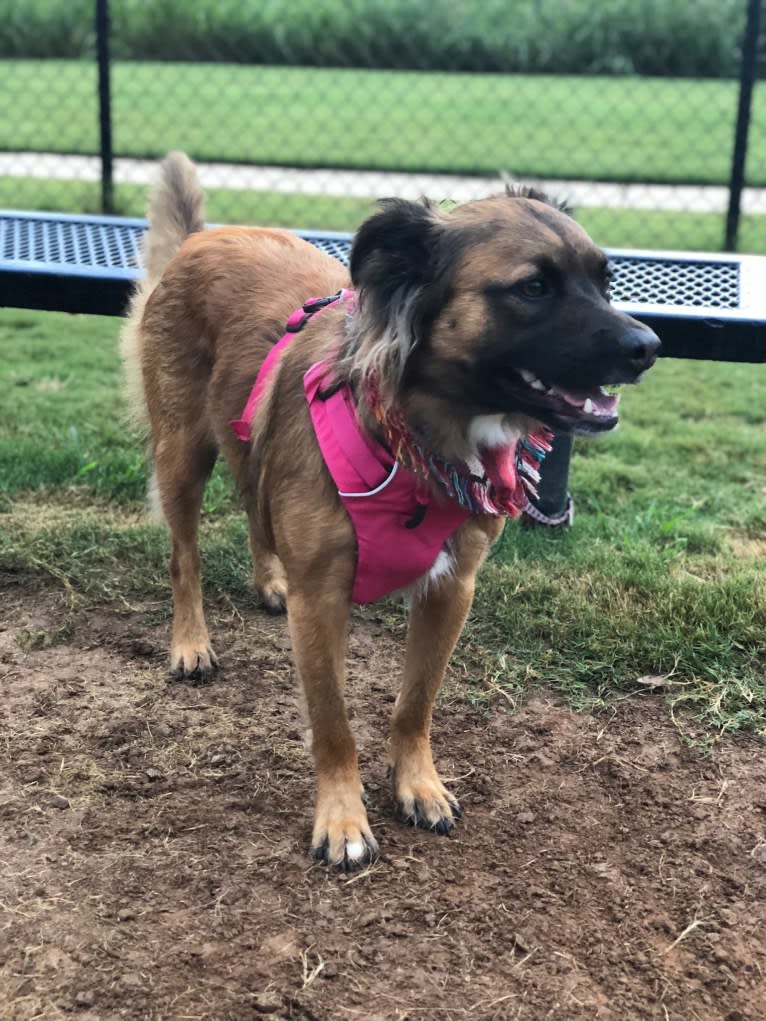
<point>499,481</point>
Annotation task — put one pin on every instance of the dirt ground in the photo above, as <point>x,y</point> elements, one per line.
<point>153,842</point>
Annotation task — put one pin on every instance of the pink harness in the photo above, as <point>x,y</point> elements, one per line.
<point>400,529</point>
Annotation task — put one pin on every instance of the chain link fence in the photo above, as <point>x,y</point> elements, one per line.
<point>302,114</point>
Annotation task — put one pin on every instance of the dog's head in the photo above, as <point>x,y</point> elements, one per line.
<point>499,307</point>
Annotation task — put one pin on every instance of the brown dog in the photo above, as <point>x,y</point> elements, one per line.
<point>468,330</point>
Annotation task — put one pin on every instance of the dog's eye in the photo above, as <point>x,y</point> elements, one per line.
<point>536,288</point>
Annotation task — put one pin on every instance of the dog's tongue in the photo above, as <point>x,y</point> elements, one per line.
<point>593,402</point>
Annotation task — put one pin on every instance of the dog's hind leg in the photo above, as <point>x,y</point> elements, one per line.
<point>438,613</point>
<point>183,463</point>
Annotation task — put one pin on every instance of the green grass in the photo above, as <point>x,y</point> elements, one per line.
<point>671,584</point>
<point>61,420</point>
<point>625,129</point>
<point>662,575</point>
<point>701,232</point>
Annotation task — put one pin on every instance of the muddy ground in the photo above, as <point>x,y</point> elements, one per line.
<point>153,842</point>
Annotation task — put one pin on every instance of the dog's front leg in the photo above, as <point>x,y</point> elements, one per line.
<point>438,613</point>
<point>318,627</point>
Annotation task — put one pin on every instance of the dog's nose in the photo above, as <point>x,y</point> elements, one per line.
<point>640,345</point>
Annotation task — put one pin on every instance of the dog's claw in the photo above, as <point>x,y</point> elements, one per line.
<point>435,814</point>
<point>422,800</point>
<point>201,668</point>
<point>194,678</point>
<point>320,851</point>
<point>417,817</point>
<point>350,861</point>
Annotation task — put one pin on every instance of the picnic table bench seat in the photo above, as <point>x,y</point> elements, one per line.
<point>702,305</point>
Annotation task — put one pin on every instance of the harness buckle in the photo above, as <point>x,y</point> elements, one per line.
<point>315,304</point>
<point>298,319</point>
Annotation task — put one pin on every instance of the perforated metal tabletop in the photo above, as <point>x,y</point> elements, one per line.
<point>701,305</point>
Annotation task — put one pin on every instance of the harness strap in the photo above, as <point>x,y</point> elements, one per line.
<point>242,426</point>
<point>336,425</point>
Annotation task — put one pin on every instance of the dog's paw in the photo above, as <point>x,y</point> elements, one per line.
<point>342,836</point>
<point>269,580</point>
<point>274,596</point>
<point>425,802</point>
<point>192,664</point>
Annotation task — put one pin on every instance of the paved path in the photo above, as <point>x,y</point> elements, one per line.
<point>377,184</point>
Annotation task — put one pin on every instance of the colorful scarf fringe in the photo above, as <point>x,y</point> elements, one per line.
<point>475,493</point>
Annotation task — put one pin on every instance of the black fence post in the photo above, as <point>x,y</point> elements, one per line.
<point>746,81</point>
<point>104,105</point>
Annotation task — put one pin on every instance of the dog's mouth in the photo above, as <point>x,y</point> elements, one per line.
<point>580,411</point>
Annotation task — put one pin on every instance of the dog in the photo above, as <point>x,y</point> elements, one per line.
<point>429,375</point>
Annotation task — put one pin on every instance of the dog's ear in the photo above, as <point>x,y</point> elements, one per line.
<point>394,261</point>
<point>393,249</point>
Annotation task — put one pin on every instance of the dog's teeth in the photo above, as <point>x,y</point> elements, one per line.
<point>531,380</point>
<point>588,407</point>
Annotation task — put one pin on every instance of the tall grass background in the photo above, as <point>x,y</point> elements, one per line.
<point>647,37</point>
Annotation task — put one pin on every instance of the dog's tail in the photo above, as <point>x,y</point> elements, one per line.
<point>176,210</point>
